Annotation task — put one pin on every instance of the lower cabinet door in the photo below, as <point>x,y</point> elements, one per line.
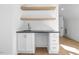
<point>26,42</point>
<point>21,42</point>
<point>30,43</point>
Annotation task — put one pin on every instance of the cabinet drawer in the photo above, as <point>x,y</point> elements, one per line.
<point>55,35</point>
<point>54,45</point>
<point>51,42</point>
<point>54,49</point>
<point>53,52</point>
<point>54,41</point>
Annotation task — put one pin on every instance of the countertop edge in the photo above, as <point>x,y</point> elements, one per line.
<point>37,31</point>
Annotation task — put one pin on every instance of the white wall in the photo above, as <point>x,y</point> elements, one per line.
<point>71,20</point>
<point>8,15</point>
<point>52,23</point>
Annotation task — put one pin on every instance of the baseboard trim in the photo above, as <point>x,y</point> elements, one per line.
<point>71,38</point>
<point>25,54</point>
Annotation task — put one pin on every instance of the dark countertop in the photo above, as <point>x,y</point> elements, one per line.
<point>32,31</point>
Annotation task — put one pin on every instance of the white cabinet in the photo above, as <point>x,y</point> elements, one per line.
<point>26,42</point>
<point>30,43</point>
<point>21,42</point>
<point>53,47</point>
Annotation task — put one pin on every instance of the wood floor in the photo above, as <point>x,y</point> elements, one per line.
<point>41,51</point>
<point>67,47</point>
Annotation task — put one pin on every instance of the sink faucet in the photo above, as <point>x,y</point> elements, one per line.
<point>29,27</point>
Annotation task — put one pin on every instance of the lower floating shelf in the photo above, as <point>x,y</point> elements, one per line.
<point>39,17</point>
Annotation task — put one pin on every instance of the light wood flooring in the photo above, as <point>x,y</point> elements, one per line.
<point>67,47</point>
<point>70,47</point>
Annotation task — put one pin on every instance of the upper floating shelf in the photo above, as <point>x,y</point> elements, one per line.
<point>37,7</point>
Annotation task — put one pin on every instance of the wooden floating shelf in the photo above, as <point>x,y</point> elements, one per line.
<point>27,7</point>
<point>38,17</point>
<point>25,18</point>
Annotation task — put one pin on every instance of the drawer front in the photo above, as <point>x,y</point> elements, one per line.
<point>55,35</point>
<point>54,49</point>
<point>56,41</point>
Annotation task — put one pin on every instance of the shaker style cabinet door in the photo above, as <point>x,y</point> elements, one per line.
<point>30,43</point>
<point>26,42</point>
<point>53,43</point>
<point>21,42</point>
